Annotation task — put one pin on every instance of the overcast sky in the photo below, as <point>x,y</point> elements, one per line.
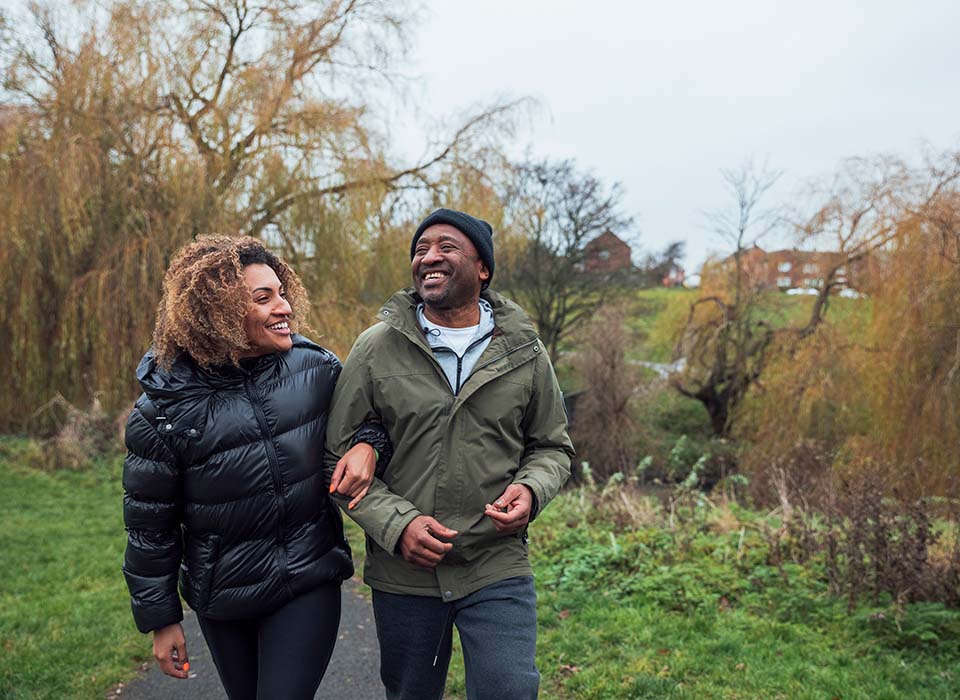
<point>661,96</point>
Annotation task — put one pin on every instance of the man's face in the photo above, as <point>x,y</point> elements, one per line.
<point>447,270</point>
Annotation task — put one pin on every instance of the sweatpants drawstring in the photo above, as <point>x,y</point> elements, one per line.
<point>443,631</point>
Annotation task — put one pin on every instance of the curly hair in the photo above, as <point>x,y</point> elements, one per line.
<point>205,300</point>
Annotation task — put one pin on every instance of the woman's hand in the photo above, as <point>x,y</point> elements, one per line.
<point>170,650</point>
<point>354,473</point>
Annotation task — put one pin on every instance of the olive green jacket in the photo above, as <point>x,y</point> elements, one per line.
<point>452,454</point>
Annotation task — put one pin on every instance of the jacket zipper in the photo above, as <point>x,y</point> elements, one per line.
<point>275,474</point>
<point>471,346</point>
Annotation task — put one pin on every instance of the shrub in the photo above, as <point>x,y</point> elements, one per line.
<point>606,422</point>
<point>81,436</point>
<point>872,544</point>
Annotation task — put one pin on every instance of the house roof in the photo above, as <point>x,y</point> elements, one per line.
<point>606,239</point>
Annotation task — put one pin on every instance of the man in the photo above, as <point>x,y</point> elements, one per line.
<point>460,380</point>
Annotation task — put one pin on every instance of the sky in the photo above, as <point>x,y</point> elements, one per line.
<point>662,96</point>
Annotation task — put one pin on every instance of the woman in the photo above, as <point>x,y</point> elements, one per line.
<point>224,487</point>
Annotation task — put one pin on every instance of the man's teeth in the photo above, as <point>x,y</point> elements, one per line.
<point>279,326</point>
<point>433,275</point>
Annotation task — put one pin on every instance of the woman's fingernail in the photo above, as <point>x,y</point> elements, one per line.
<point>350,507</point>
<point>186,665</point>
<point>332,488</point>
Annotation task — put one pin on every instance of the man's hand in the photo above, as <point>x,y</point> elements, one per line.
<point>354,473</point>
<point>512,510</point>
<point>420,542</point>
<point>170,650</point>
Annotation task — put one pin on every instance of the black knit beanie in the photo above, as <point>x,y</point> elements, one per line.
<point>477,230</point>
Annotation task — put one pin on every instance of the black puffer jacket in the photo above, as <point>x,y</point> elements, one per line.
<point>224,484</point>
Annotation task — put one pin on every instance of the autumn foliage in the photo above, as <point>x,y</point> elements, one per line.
<point>128,128</point>
<point>875,384</point>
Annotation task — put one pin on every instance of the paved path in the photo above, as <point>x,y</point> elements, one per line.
<point>353,673</point>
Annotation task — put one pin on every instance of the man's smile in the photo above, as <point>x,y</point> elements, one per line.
<point>434,278</point>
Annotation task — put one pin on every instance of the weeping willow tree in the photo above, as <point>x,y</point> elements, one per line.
<point>876,385</point>
<point>915,392</point>
<point>130,127</point>
<point>85,235</point>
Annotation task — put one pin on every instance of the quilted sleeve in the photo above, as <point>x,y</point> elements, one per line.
<point>151,515</point>
<point>375,435</point>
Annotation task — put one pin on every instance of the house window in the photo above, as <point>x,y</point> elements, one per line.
<point>811,269</point>
<point>784,267</point>
<point>783,281</point>
<point>814,283</point>
<point>604,255</point>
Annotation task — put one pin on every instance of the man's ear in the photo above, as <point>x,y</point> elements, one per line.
<point>484,272</point>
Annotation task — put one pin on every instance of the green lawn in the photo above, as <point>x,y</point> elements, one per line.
<point>649,612</point>
<point>652,315</point>
<point>629,608</point>
<point>65,624</point>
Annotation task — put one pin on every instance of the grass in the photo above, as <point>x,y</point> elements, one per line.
<point>65,624</point>
<point>652,316</point>
<point>696,612</point>
<point>629,606</point>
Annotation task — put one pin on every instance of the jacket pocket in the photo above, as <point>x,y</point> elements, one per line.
<point>201,564</point>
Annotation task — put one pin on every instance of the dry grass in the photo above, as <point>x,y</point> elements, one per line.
<point>81,436</point>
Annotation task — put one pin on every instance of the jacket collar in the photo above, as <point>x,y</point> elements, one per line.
<point>512,327</point>
<point>186,378</point>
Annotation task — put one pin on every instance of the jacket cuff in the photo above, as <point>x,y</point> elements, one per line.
<point>393,531</point>
<point>154,600</point>
<point>149,618</point>
<point>537,492</point>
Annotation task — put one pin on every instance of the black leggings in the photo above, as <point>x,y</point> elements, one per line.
<point>281,655</point>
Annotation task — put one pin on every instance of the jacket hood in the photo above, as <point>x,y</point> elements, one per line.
<point>186,378</point>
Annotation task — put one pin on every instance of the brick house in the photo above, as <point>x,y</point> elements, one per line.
<point>794,269</point>
<point>790,269</point>
<point>607,253</point>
